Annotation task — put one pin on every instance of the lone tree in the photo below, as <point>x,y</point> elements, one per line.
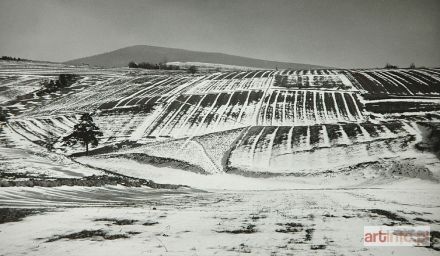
<point>86,132</point>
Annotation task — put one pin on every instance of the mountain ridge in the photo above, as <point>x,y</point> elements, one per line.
<point>156,54</point>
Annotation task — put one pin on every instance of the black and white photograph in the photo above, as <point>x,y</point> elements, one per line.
<point>219,127</point>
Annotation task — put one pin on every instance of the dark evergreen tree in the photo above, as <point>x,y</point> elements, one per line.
<point>85,133</point>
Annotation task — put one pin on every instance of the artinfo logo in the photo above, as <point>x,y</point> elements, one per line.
<point>396,235</point>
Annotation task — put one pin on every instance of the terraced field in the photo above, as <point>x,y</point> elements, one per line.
<point>401,82</point>
<point>281,115</point>
<point>290,149</point>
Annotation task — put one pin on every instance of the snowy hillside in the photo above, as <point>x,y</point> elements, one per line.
<point>303,157</point>
<point>263,121</point>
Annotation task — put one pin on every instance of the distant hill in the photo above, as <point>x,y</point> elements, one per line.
<point>154,54</point>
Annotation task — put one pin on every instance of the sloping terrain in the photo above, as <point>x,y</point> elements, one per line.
<point>307,159</point>
<point>327,116</point>
<point>223,223</point>
<point>154,54</point>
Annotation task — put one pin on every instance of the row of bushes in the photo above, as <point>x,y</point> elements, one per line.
<point>147,65</point>
<point>162,66</point>
<point>64,80</point>
<point>11,58</point>
<point>390,66</point>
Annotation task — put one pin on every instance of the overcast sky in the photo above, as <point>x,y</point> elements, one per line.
<point>338,33</point>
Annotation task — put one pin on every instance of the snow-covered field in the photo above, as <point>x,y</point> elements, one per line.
<point>256,162</point>
<point>292,222</point>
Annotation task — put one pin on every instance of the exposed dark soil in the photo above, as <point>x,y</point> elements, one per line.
<point>12,175</point>
<point>290,227</point>
<point>423,220</point>
<point>255,217</point>
<point>88,234</point>
<point>318,246</point>
<point>16,214</point>
<point>163,162</point>
<point>119,222</point>
<point>309,234</point>
<point>401,106</point>
<point>150,223</point>
<point>249,229</point>
<point>389,215</point>
<point>90,181</point>
<point>107,149</point>
<point>133,232</point>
